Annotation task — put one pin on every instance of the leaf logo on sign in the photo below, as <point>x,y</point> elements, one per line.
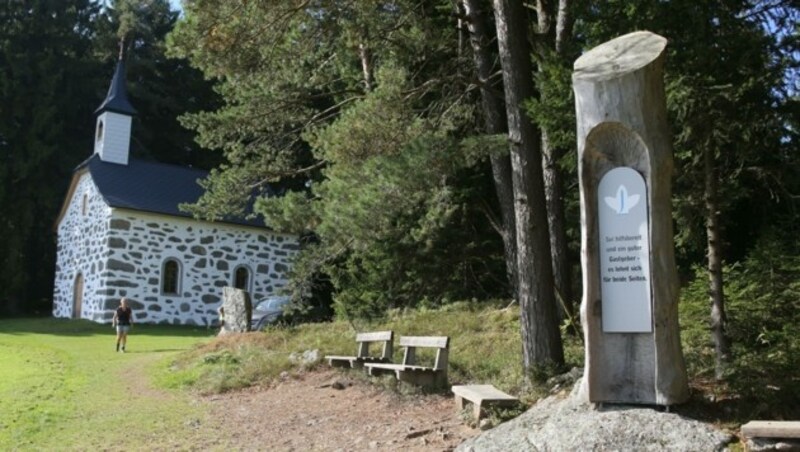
<point>622,203</point>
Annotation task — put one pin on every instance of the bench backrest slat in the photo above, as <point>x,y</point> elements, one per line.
<point>424,341</point>
<point>411,343</point>
<point>374,336</point>
<point>364,339</point>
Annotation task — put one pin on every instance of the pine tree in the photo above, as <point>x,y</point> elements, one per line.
<point>347,98</point>
<point>161,88</point>
<point>47,78</point>
<point>724,74</point>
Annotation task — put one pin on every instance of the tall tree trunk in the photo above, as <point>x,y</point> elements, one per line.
<point>548,13</point>
<point>564,22</point>
<point>541,340</point>
<point>494,121</point>
<point>554,193</point>
<point>715,287</point>
<point>366,65</point>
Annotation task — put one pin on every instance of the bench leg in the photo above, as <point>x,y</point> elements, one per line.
<point>440,379</point>
<point>476,412</point>
<point>459,404</point>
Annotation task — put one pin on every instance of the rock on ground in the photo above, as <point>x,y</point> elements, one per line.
<point>307,358</point>
<point>560,423</point>
<point>769,444</point>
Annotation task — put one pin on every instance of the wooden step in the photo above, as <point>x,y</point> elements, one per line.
<point>480,395</point>
<point>771,429</point>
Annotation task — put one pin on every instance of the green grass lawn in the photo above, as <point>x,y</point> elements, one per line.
<point>62,386</point>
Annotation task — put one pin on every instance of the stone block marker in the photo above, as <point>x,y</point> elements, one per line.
<point>629,307</point>
<point>238,311</point>
<point>481,396</point>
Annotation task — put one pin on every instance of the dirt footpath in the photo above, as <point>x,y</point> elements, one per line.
<point>324,410</point>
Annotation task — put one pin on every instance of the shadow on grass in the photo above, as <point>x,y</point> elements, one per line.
<point>157,350</point>
<point>73,328</point>
<point>772,397</point>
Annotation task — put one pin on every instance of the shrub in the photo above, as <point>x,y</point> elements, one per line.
<point>763,308</point>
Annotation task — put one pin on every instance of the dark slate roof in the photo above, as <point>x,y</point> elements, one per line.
<point>117,97</point>
<point>150,186</point>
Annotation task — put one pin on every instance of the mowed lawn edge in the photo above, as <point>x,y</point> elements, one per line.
<point>62,386</point>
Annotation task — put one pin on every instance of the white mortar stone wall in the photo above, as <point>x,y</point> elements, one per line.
<point>207,253</point>
<point>121,253</point>
<point>81,249</point>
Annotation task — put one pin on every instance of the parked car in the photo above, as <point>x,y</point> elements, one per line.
<point>267,311</point>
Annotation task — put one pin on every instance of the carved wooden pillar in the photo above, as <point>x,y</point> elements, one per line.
<point>629,308</point>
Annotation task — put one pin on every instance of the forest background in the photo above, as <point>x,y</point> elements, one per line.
<point>385,126</point>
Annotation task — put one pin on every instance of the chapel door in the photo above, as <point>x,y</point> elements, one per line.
<point>77,297</point>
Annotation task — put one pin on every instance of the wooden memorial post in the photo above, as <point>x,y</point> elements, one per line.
<point>629,309</point>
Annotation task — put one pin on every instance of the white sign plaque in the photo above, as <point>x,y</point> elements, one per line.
<point>624,252</point>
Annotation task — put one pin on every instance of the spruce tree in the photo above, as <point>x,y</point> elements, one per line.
<point>47,78</point>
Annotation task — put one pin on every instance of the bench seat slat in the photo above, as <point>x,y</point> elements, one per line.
<point>376,359</point>
<point>480,393</point>
<point>340,358</point>
<point>363,341</point>
<point>400,367</point>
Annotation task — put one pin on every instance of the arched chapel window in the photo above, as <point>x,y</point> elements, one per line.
<point>170,277</point>
<point>241,278</point>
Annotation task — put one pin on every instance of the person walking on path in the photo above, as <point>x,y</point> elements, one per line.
<point>221,312</point>
<point>122,321</point>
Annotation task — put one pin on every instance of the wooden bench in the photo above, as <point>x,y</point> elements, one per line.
<point>480,396</point>
<point>772,429</point>
<point>409,371</point>
<point>362,354</point>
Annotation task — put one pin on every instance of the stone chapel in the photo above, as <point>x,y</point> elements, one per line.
<point>121,234</point>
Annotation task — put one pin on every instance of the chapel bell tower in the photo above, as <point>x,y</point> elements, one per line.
<point>112,137</point>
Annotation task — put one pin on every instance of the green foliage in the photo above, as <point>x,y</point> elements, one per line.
<point>496,415</point>
<point>477,148</point>
<point>395,208</point>
<point>554,109</point>
<point>724,84</point>
<point>57,60</point>
<point>361,120</point>
<point>234,362</point>
<point>762,294</point>
<point>47,82</point>
<point>484,348</point>
<point>282,69</point>
<point>161,89</point>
